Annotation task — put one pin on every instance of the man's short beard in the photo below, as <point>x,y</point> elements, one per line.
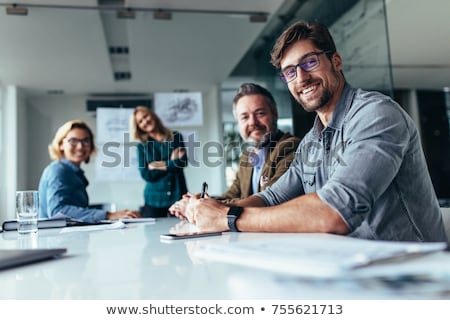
<point>324,100</point>
<point>266,138</point>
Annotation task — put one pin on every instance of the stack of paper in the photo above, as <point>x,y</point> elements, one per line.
<point>133,220</point>
<point>103,226</point>
<point>318,255</point>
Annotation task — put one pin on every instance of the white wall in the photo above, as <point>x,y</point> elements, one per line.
<point>8,154</point>
<point>38,118</point>
<point>211,131</point>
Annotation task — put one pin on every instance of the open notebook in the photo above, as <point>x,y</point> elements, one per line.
<point>16,257</point>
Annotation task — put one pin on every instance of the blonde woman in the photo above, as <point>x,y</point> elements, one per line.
<point>162,158</point>
<point>62,188</point>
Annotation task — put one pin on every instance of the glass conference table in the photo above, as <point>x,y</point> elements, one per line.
<point>134,263</point>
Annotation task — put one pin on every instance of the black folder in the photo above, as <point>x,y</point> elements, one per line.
<point>17,257</point>
<point>11,225</point>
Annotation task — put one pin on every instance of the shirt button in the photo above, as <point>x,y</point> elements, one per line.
<point>169,193</point>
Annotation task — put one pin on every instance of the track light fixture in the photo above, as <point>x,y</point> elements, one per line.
<point>126,13</point>
<point>162,15</point>
<point>260,17</point>
<point>16,10</point>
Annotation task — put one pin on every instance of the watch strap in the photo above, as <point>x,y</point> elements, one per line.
<point>232,216</point>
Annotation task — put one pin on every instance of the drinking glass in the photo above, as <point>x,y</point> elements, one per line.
<point>27,208</point>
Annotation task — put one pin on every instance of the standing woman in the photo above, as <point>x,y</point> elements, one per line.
<point>62,188</point>
<point>161,158</point>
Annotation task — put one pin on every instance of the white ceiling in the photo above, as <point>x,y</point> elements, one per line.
<point>419,33</point>
<point>67,49</point>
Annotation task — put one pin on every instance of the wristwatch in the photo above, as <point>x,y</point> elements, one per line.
<point>232,216</point>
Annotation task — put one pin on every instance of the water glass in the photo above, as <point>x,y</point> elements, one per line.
<point>27,210</point>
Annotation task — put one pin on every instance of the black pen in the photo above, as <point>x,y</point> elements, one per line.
<point>204,189</point>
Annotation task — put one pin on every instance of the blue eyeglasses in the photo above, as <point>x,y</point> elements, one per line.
<point>309,63</point>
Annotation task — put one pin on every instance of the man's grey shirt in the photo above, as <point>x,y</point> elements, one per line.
<point>367,164</point>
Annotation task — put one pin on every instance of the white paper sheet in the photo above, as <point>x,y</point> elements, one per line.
<point>97,227</point>
<point>316,255</point>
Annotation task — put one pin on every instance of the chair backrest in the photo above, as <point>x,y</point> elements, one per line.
<point>446,218</point>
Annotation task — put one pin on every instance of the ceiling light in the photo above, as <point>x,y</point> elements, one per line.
<point>126,14</point>
<point>162,15</point>
<point>124,75</point>
<point>17,11</point>
<point>55,92</point>
<point>260,17</point>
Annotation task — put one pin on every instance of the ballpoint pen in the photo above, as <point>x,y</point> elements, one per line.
<point>204,189</point>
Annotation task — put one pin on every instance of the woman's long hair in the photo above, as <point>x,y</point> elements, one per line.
<point>138,134</point>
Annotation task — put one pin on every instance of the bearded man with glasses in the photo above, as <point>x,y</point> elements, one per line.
<point>360,170</point>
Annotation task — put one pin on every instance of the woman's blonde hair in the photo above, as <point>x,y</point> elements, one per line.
<point>54,148</point>
<point>138,134</point>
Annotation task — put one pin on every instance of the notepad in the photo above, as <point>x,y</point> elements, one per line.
<point>315,255</point>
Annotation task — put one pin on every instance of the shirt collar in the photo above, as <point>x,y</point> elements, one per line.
<point>71,165</point>
<point>341,109</point>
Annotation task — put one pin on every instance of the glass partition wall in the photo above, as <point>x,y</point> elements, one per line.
<point>360,31</point>
<point>97,50</point>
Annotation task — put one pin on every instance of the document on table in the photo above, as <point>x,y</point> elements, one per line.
<point>96,227</point>
<point>316,255</point>
<point>132,220</point>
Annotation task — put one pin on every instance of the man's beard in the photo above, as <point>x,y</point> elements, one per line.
<point>266,139</point>
<point>323,100</point>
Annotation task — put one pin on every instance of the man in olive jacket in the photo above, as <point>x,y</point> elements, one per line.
<point>272,151</point>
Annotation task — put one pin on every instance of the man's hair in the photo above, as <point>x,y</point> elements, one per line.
<point>247,89</point>
<point>316,32</point>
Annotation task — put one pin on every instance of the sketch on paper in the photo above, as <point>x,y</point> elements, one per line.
<point>112,123</point>
<point>179,109</point>
<point>116,158</point>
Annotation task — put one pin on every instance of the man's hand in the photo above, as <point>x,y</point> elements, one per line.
<point>207,214</point>
<point>178,208</point>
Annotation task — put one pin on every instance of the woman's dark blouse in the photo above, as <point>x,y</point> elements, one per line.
<point>162,188</point>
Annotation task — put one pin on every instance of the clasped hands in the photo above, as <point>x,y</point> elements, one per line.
<point>206,213</point>
<point>161,165</point>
